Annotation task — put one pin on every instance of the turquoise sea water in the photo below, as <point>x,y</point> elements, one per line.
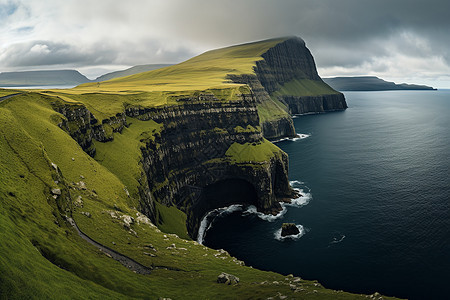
<point>376,217</point>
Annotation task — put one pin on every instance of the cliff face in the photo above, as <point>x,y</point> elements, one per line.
<point>282,64</point>
<point>315,104</point>
<point>185,163</point>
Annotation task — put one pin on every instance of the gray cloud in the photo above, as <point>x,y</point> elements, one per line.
<point>345,36</point>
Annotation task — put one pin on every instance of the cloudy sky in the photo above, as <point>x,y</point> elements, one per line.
<point>398,40</point>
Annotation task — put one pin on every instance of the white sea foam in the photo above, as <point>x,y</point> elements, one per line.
<point>251,210</point>
<point>301,233</point>
<point>302,200</point>
<point>298,137</point>
<point>338,239</point>
<point>209,218</point>
<point>301,136</point>
<point>294,183</point>
<point>305,196</point>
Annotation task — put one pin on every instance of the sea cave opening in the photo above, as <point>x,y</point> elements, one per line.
<point>220,194</point>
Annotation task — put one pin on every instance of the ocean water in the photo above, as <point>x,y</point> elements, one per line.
<point>376,212</point>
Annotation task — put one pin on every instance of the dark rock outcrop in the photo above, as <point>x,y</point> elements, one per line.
<point>185,163</point>
<point>187,156</point>
<point>289,229</point>
<point>227,279</point>
<point>284,62</point>
<point>315,104</point>
<point>83,127</point>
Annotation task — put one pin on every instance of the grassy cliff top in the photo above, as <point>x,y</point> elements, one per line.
<point>205,71</point>
<point>203,74</point>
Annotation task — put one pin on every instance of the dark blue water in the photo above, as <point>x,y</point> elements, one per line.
<point>379,214</point>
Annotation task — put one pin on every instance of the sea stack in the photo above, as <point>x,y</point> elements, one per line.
<point>289,229</point>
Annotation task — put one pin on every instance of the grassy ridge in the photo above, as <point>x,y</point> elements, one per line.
<point>203,74</point>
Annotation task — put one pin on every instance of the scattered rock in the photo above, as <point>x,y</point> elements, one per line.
<point>114,243</point>
<point>140,218</point>
<point>149,254</point>
<point>281,296</point>
<point>289,229</point>
<point>113,214</point>
<point>150,246</point>
<point>227,279</point>
<point>172,247</point>
<point>87,214</point>
<point>56,191</point>
<point>78,202</point>
<point>81,185</point>
<point>127,221</point>
<point>81,176</point>
<point>73,158</point>
<point>54,166</point>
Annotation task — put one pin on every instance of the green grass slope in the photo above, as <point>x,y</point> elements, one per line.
<point>43,257</point>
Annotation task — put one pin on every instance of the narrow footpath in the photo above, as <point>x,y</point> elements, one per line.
<point>9,96</point>
<point>124,260</point>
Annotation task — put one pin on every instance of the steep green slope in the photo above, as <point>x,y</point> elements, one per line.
<point>106,153</point>
<point>43,257</point>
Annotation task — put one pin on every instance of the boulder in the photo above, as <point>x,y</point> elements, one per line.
<point>227,278</point>
<point>56,191</point>
<point>289,229</point>
<point>78,202</point>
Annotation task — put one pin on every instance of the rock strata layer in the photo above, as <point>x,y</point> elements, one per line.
<point>185,164</point>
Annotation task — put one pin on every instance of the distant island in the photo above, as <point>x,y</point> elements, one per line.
<point>370,83</point>
<point>42,78</point>
<point>65,77</point>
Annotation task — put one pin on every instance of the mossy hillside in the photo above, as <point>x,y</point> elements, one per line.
<point>122,155</point>
<point>30,140</point>
<point>272,109</point>
<point>248,129</point>
<point>304,87</point>
<point>252,152</point>
<point>205,71</point>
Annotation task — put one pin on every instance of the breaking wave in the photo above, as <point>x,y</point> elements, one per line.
<point>299,136</point>
<point>209,218</point>
<point>251,210</point>
<point>305,196</point>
